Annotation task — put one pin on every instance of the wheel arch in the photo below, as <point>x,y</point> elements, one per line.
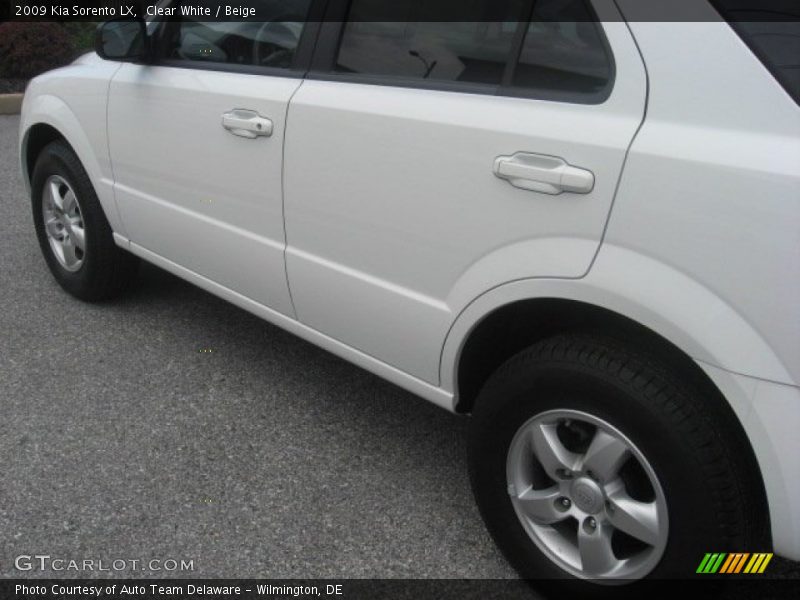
<point>637,289</point>
<point>509,318</point>
<point>47,118</point>
<point>516,326</point>
<point>36,138</point>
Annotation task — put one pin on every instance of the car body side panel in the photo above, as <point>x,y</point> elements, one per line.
<point>712,186</point>
<point>395,221</point>
<point>187,188</point>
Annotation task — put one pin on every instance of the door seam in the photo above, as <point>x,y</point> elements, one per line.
<point>283,202</point>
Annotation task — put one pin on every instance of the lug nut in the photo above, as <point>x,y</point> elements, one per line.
<point>590,524</point>
<point>563,503</point>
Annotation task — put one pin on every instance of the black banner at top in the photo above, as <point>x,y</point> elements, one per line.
<point>402,10</point>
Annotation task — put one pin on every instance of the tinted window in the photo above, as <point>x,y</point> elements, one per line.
<point>548,45</point>
<point>772,30</point>
<point>268,44</point>
<point>563,50</point>
<point>467,51</point>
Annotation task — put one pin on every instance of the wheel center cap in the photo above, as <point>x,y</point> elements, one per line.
<point>587,495</point>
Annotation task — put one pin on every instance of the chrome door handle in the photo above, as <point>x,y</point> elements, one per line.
<point>543,173</point>
<point>247,123</point>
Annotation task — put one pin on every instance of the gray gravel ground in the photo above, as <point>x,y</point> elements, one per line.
<point>266,457</point>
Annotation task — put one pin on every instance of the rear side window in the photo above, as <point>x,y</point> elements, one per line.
<point>771,28</point>
<point>564,51</point>
<point>238,42</point>
<point>467,51</point>
<point>551,46</point>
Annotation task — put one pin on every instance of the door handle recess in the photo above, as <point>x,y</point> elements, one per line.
<point>543,173</point>
<point>247,123</point>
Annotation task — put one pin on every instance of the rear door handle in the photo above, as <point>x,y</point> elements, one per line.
<point>247,123</point>
<point>543,173</point>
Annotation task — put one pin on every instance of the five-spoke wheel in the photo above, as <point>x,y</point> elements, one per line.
<point>63,222</point>
<point>587,496</point>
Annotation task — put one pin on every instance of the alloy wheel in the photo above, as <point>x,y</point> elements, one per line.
<point>63,223</point>
<point>587,496</point>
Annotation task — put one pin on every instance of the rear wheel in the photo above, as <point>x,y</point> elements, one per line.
<point>581,489</point>
<point>595,464</point>
<point>73,232</point>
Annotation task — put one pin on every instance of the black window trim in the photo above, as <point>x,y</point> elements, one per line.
<point>322,67</point>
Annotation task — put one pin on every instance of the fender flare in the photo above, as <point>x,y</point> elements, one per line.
<point>51,110</point>
<point>645,290</point>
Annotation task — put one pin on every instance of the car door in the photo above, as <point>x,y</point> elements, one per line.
<point>196,144</point>
<point>430,161</point>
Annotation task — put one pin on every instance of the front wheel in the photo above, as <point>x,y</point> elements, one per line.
<point>594,464</point>
<point>73,233</point>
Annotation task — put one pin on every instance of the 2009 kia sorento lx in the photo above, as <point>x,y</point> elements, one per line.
<point>578,225</point>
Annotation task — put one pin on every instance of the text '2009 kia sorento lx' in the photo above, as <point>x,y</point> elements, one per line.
<point>575,222</point>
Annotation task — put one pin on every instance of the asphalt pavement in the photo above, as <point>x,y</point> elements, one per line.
<point>170,425</point>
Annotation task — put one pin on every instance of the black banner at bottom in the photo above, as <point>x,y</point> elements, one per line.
<point>412,589</point>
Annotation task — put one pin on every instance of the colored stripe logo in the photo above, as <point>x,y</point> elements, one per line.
<point>734,562</point>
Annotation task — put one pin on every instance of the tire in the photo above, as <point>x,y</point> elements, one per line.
<point>100,270</point>
<point>573,392</point>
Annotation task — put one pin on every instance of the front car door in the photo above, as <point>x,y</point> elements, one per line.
<point>196,144</point>
<point>428,162</point>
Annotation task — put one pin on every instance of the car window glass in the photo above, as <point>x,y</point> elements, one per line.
<point>269,43</point>
<point>563,50</point>
<point>555,46</point>
<point>467,51</point>
<point>771,28</point>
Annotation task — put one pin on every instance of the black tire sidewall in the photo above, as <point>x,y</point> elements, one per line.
<point>509,401</point>
<point>58,159</point>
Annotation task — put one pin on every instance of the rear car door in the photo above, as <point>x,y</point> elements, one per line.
<point>196,143</point>
<point>428,161</point>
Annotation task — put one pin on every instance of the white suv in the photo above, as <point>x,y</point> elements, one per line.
<point>571,219</point>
